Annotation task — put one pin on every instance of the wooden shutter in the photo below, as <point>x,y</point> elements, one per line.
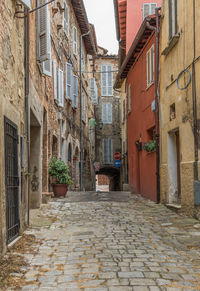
<point>109,81</point>
<point>96,93</point>
<point>43,53</point>
<point>54,80</point>
<point>68,81</point>
<point>153,8</point>
<point>104,113</point>
<point>129,98</point>
<point>46,65</point>
<point>75,40</point>
<point>170,18</point>
<point>83,107</point>
<point>146,10</point>
<point>75,91</point>
<point>66,19</point>
<point>109,113</point>
<point>61,89</point>
<point>152,64</point>
<point>103,80</point>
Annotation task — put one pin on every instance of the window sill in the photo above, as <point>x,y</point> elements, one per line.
<point>171,44</point>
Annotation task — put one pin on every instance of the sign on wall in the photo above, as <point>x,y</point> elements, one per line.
<point>27,3</point>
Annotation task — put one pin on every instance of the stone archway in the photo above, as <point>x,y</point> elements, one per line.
<point>113,174</point>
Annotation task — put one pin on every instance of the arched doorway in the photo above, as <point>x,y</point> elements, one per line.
<point>113,174</point>
<point>76,159</point>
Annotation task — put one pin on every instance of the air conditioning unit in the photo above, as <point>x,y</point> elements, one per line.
<point>26,3</point>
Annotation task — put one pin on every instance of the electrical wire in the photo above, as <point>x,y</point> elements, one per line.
<point>179,76</point>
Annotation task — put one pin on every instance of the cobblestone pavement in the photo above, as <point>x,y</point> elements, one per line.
<point>112,242</point>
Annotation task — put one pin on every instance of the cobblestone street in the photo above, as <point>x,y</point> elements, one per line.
<point>111,242</point>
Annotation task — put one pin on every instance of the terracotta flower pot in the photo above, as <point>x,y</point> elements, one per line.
<point>60,189</point>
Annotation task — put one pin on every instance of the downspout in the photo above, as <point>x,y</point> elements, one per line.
<point>156,29</point>
<point>194,97</point>
<point>26,65</point>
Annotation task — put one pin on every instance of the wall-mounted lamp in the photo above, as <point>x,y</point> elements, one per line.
<point>100,124</point>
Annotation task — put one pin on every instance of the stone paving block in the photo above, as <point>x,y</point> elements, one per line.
<point>142,282</point>
<point>140,288</point>
<point>120,288</point>
<point>130,275</point>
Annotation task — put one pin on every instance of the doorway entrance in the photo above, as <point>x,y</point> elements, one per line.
<point>174,167</point>
<point>11,179</point>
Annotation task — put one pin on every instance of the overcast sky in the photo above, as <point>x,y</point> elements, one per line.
<point>101,14</point>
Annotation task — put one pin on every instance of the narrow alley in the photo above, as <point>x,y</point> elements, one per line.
<point>113,241</point>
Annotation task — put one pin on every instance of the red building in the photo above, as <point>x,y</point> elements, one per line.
<point>138,69</point>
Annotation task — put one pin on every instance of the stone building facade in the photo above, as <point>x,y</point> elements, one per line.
<point>45,106</point>
<point>108,125</point>
<point>13,163</point>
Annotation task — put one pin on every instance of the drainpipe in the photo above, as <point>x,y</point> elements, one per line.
<point>194,97</point>
<point>81,133</point>
<point>26,65</point>
<point>156,29</point>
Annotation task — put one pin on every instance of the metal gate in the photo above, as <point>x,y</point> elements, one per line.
<point>11,179</point>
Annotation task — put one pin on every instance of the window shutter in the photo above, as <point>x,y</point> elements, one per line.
<point>153,8</point>
<point>75,91</point>
<point>75,40</point>
<point>109,112</point>
<point>103,80</point>
<point>46,65</point>
<point>61,89</point>
<point>152,63</point>
<point>107,150</point>
<point>58,86</point>
<point>104,113</point>
<point>83,108</point>
<point>96,94</point>
<point>68,74</point>
<point>66,19</point>
<point>42,32</point>
<point>170,18</point>
<point>146,10</point>
<point>54,80</point>
<point>110,81</point>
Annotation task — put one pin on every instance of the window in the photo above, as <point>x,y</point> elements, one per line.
<point>60,88</point>
<point>106,80</point>
<point>54,80</point>
<point>129,98</point>
<point>148,9</point>
<point>107,113</point>
<point>68,80</point>
<point>75,41</point>
<point>150,66</point>
<point>43,32</point>
<point>66,19</point>
<point>75,92</point>
<point>107,151</point>
<point>172,18</point>
<point>83,107</point>
<point>93,91</point>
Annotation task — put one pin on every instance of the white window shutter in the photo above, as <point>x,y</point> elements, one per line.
<point>109,151</point>
<point>46,65</point>
<point>58,86</point>
<point>146,10</point>
<point>76,92</point>
<point>61,89</point>
<point>68,83</point>
<point>110,81</point>
<point>96,93</point>
<point>42,32</point>
<point>109,112</point>
<point>66,19</point>
<point>83,107</point>
<point>54,80</point>
<point>104,80</point>
<point>153,8</point>
<point>75,40</point>
<point>104,113</point>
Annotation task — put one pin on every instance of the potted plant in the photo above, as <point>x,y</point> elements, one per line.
<point>59,172</point>
<point>74,157</point>
<point>150,146</point>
